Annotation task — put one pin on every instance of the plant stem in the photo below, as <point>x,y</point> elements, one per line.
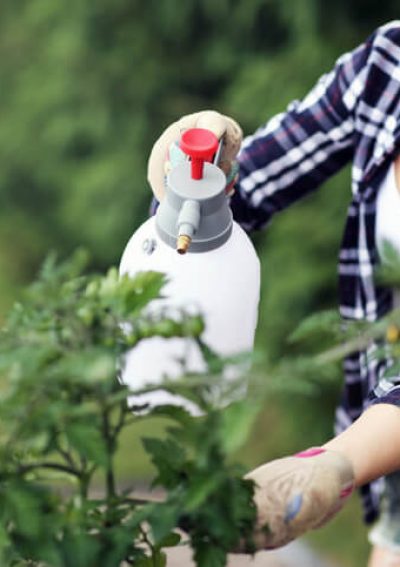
<point>110,444</point>
<point>84,481</point>
<point>48,465</point>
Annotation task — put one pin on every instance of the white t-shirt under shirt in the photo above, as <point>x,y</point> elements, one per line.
<point>387,227</point>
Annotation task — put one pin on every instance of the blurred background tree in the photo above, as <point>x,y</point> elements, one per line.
<point>86,88</point>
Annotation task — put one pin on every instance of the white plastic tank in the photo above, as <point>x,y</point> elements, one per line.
<point>217,276</point>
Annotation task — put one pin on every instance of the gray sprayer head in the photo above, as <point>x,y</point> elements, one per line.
<point>195,212</point>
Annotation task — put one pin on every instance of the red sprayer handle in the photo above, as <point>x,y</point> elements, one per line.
<point>200,144</point>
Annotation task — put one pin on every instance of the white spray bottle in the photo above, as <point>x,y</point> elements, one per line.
<point>211,265</point>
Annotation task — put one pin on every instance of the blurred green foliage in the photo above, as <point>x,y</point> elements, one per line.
<point>64,500</point>
<point>63,410</point>
<point>88,86</point>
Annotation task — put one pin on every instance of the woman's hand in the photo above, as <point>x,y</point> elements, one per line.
<point>222,126</point>
<point>299,493</point>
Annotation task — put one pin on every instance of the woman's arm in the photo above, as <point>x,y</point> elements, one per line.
<point>372,443</point>
<point>296,151</point>
<point>302,492</point>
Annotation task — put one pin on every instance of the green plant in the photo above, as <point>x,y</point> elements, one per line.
<point>62,411</point>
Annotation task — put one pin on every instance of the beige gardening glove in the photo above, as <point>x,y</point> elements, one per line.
<point>299,493</point>
<point>222,126</point>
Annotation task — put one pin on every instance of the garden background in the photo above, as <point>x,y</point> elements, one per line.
<point>87,87</point>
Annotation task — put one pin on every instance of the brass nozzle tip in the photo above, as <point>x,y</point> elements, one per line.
<point>183,243</point>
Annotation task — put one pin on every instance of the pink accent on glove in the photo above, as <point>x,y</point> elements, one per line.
<point>313,452</point>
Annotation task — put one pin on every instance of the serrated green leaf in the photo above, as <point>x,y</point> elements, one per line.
<point>237,422</point>
<point>144,562</point>
<point>168,457</point>
<point>313,326</point>
<point>87,441</point>
<point>200,489</point>
<point>79,550</point>
<point>171,540</point>
<point>137,292</point>
<point>176,413</point>
<point>163,520</point>
<point>207,555</point>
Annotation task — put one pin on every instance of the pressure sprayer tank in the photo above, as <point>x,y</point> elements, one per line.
<point>211,266</point>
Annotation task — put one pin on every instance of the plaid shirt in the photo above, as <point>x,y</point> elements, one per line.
<point>351,115</point>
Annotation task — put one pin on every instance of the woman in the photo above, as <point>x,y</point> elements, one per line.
<point>351,115</point>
